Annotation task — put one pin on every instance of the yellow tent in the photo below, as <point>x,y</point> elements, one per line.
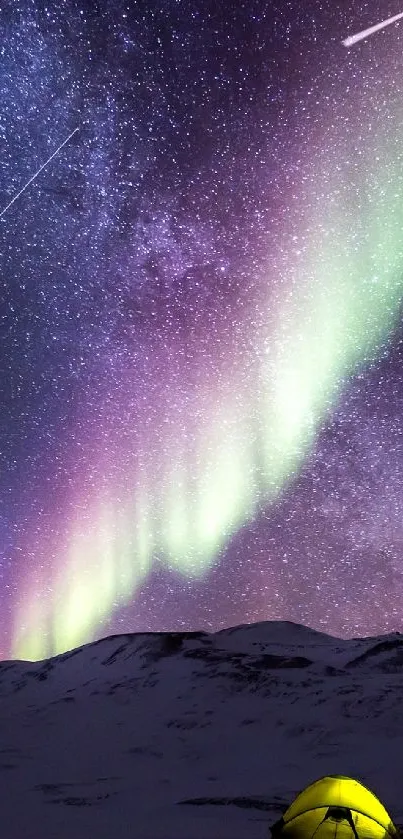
<point>335,806</point>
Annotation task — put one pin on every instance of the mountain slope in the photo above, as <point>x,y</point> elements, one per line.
<point>164,735</point>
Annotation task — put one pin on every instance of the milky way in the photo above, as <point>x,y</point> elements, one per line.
<point>200,320</point>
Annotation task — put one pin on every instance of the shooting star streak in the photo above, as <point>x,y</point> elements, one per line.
<point>353,39</point>
<point>37,173</point>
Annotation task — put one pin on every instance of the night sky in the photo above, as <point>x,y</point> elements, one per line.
<point>201,338</point>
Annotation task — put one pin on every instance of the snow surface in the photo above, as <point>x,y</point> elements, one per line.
<point>195,735</point>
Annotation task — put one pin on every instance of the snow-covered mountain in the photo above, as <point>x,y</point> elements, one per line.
<point>195,735</point>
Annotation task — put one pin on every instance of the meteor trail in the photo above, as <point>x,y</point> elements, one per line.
<point>353,39</point>
<point>37,173</point>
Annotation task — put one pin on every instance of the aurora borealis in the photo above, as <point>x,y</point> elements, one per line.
<point>201,384</point>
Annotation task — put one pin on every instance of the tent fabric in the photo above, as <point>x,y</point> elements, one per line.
<point>335,806</point>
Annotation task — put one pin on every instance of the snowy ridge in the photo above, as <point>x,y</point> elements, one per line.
<point>198,735</point>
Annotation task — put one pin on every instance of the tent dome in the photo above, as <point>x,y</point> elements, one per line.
<point>335,806</point>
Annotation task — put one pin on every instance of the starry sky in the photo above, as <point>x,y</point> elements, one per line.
<point>201,339</point>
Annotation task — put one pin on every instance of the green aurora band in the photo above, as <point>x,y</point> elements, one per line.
<point>256,420</point>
